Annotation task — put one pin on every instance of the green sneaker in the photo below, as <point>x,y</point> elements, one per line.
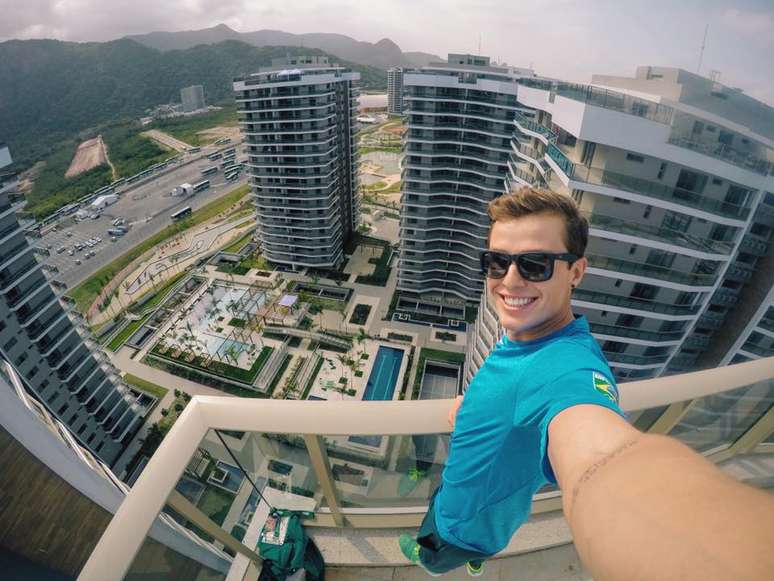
<point>409,481</point>
<point>410,549</point>
<point>475,568</point>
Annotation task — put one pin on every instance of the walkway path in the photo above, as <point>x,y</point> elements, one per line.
<point>167,140</point>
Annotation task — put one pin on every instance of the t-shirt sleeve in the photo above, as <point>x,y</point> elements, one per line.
<point>584,386</point>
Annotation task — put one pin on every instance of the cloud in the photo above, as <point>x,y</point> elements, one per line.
<point>758,27</point>
<point>570,39</point>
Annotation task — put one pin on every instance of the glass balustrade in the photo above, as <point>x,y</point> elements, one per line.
<point>349,463</point>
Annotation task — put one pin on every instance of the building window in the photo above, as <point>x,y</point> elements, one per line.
<point>725,137</point>
<point>22,358</point>
<point>691,181</point>
<point>651,351</point>
<point>672,326</point>
<point>660,258</point>
<point>635,157</point>
<point>676,221</point>
<point>629,321</point>
<point>661,170</point>
<point>34,371</point>
<point>614,346</point>
<point>737,195</point>
<point>62,409</point>
<point>81,429</point>
<point>632,249</point>
<point>644,291</point>
<point>9,344</point>
<point>717,182</point>
<point>622,201</point>
<point>646,213</point>
<point>722,233</point>
<point>618,283</point>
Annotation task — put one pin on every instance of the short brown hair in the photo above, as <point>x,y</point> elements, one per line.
<point>526,201</point>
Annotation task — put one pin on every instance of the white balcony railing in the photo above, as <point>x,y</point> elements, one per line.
<point>720,412</point>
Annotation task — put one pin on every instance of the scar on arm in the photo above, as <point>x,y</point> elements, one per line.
<point>591,470</point>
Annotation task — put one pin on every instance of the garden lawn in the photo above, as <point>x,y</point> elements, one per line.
<point>146,386</point>
<point>128,331</point>
<point>426,354</point>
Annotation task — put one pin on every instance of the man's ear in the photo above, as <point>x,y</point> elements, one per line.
<point>577,270</point>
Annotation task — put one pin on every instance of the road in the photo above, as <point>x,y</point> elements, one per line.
<point>146,208</point>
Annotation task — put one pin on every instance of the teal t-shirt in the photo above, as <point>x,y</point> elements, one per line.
<point>498,456</point>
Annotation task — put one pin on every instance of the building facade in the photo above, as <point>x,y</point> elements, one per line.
<point>460,122</point>
<point>395,91</point>
<point>673,172</point>
<point>52,350</point>
<point>299,134</point>
<point>192,98</point>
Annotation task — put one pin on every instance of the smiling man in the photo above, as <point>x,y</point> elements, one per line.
<point>546,362</point>
<point>543,408</point>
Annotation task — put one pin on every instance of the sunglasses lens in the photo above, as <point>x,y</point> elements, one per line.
<point>536,267</point>
<point>496,265</point>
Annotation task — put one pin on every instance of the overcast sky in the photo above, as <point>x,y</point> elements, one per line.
<point>570,39</point>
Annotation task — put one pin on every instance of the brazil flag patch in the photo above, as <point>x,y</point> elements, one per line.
<point>604,386</point>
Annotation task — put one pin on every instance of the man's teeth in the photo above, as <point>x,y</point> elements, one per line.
<point>511,302</point>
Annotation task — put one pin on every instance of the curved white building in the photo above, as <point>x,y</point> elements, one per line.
<point>298,122</point>
<point>674,173</point>
<point>460,122</point>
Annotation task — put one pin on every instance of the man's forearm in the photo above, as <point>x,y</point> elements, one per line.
<point>654,509</point>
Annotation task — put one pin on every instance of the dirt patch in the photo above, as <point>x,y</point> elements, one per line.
<point>89,154</point>
<point>27,178</point>
<point>222,131</point>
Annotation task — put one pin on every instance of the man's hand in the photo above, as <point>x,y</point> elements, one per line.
<point>453,411</point>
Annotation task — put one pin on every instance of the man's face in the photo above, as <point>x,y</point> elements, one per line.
<point>547,307</point>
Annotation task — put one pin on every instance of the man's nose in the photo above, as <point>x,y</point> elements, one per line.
<point>512,277</point>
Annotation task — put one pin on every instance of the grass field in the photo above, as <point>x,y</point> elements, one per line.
<point>239,244</point>
<point>146,386</point>
<point>158,293</point>
<point>85,293</point>
<point>126,332</point>
<point>187,128</point>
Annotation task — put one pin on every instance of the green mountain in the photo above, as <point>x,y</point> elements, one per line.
<point>383,54</point>
<point>50,90</point>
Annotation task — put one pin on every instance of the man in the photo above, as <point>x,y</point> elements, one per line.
<point>544,407</point>
<point>547,361</point>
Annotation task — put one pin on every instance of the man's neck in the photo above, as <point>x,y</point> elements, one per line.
<point>545,329</point>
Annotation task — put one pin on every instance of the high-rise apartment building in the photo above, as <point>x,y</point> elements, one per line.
<point>192,98</point>
<point>673,171</point>
<point>460,122</point>
<point>298,121</point>
<point>51,348</point>
<point>395,91</point>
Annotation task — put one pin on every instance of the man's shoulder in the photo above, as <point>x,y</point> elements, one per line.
<point>565,356</point>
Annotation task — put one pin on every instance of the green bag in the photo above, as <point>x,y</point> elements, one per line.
<point>285,548</point>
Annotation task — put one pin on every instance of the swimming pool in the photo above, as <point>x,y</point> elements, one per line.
<point>384,375</point>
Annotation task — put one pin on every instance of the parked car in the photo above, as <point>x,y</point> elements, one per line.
<point>78,261</point>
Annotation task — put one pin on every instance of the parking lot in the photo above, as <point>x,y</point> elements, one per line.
<point>146,209</point>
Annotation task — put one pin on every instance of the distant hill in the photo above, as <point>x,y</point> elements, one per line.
<point>383,54</point>
<point>52,90</point>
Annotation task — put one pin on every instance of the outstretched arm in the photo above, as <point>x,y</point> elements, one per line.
<point>647,507</point>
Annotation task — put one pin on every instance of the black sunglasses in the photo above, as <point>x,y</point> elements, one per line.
<point>532,266</point>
